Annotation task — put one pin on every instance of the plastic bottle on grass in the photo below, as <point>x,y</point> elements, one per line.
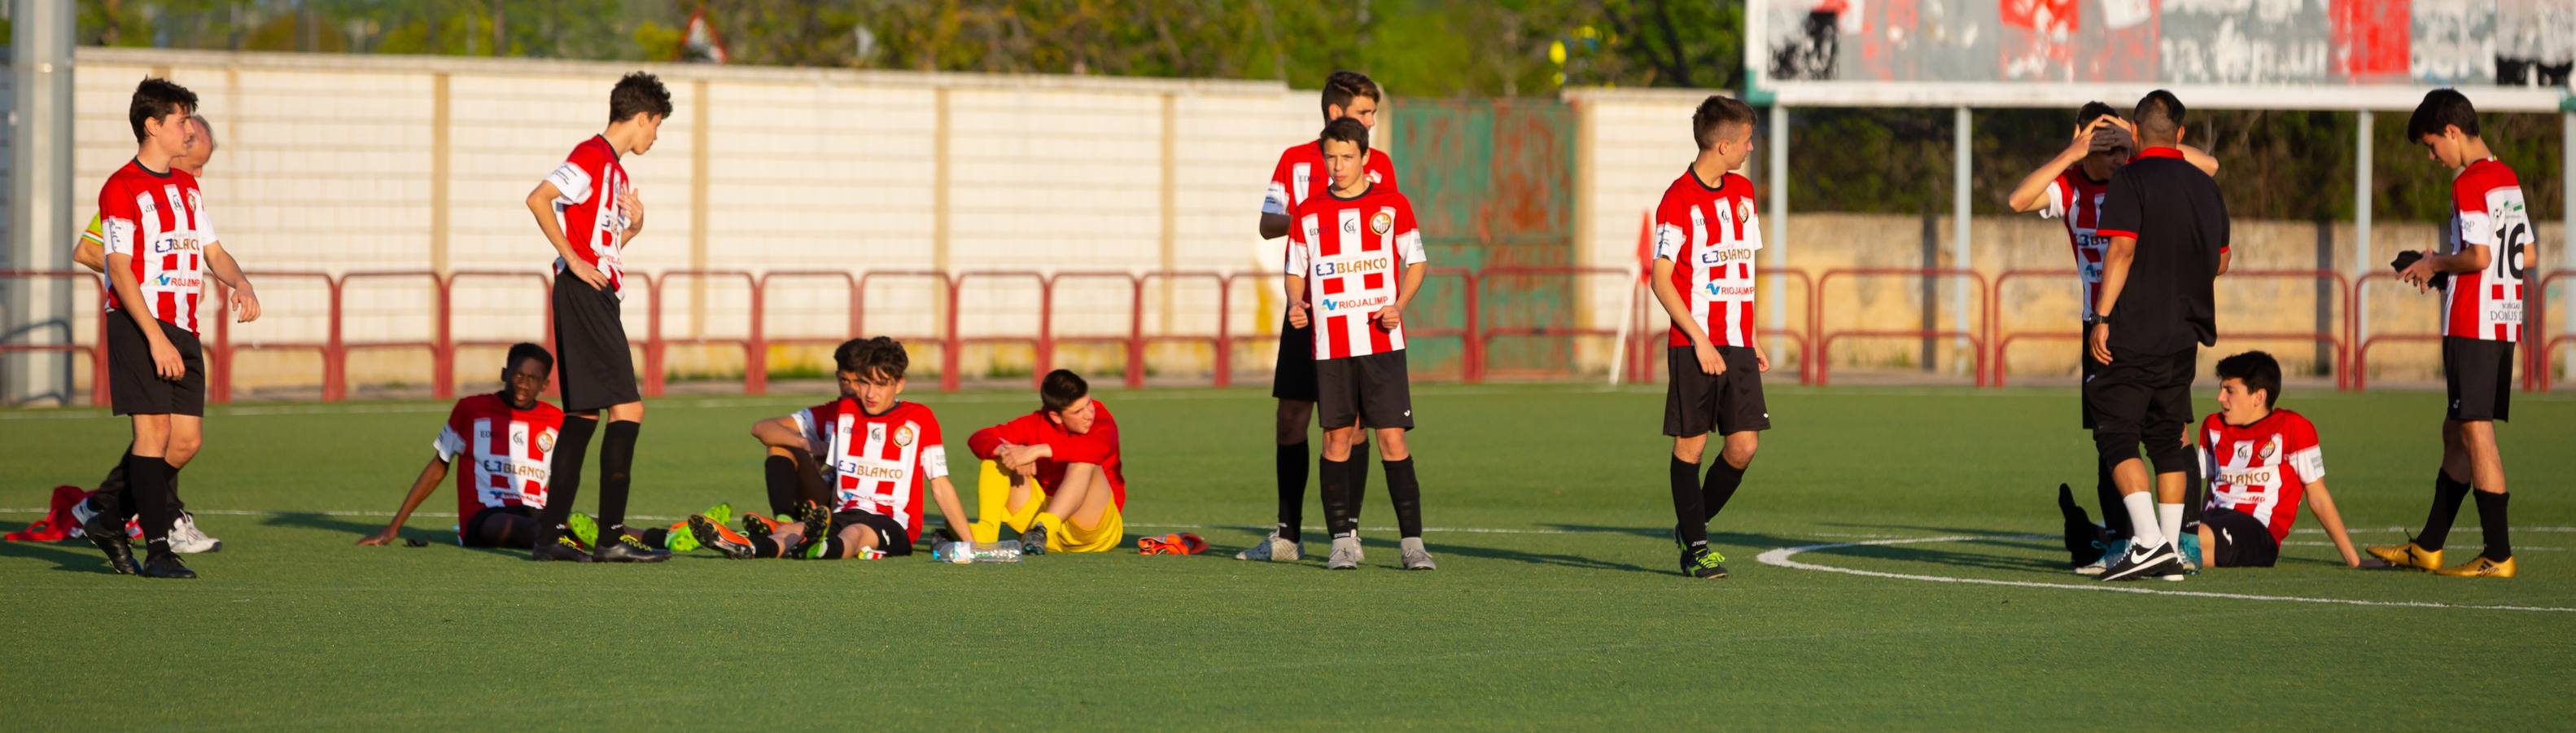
<point>973,552</point>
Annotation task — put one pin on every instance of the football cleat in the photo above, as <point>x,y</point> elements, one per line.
<point>1346,554</point>
<point>1702,562</point>
<point>2141,561</point>
<point>713,535</point>
<point>563,549</point>
<point>2110,551</point>
<point>165,564</point>
<point>2187,552</point>
<point>2479,567</point>
<point>759,526</point>
<point>815,524</point>
<point>585,530</point>
<point>1273,548</point>
<point>1414,557</point>
<point>2409,555</point>
<point>627,549</point>
<point>1033,542</point>
<point>105,532</point>
<point>187,539</point>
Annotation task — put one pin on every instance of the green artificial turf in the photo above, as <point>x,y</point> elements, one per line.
<point>1556,604</point>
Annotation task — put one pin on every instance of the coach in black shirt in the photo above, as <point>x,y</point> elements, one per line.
<point>2168,232</point>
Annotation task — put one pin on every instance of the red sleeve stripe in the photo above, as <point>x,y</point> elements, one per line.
<point>2116,233</point>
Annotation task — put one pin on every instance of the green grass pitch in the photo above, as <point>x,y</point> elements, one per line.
<point>1557,602</point>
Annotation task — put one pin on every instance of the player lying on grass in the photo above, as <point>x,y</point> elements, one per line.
<point>1066,489</point>
<point>2262,462</point>
<point>878,453</point>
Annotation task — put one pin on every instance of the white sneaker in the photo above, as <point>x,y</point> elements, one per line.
<point>186,538</point>
<point>80,516</point>
<point>1346,554</point>
<point>1273,548</point>
<point>1415,558</point>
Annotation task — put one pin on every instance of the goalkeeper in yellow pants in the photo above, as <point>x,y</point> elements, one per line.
<point>1053,475</point>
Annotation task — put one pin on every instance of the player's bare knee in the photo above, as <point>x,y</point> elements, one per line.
<point>1740,448</point>
<point>1390,445</point>
<point>855,538</point>
<point>1687,448</point>
<point>627,412</point>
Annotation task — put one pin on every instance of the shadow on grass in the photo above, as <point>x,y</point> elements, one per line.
<point>76,556</point>
<point>355,528</point>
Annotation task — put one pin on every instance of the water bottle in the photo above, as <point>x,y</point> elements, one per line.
<point>973,552</point>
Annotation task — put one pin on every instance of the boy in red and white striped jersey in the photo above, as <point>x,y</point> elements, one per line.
<point>159,246</point>
<point>1355,260</point>
<point>507,439</point>
<point>2489,242</point>
<point>2262,462</point>
<point>877,454</point>
<point>1706,237</point>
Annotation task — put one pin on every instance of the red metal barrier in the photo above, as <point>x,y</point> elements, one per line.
<point>948,348</point>
<point>755,361</point>
<point>1040,343</point>
<point>1471,341</point>
<point>1654,332</point>
<point>1222,342</point>
<point>96,351</point>
<point>1976,342</point>
<point>219,355</point>
<point>442,379</point>
<point>447,317</point>
<point>1261,282</point>
<point>2003,339</point>
<point>2345,360</point>
<point>2360,377</point>
<point>760,290</point>
<point>1623,279</point>
<point>1133,340</point>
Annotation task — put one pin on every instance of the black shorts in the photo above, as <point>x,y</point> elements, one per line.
<point>2240,541</point>
<point>1697,403</point>
<point>135,387</point>
<point>891,537</point>
<point>1371,390</point>
<point>2479,374</point>
<point>487,528</point>
<point>1294,378</point>
<point>592,364</point>
<point>2091,366</point>
<point>2144,395</point>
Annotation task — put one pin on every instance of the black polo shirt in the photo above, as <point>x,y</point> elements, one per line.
<point>2175,213</point>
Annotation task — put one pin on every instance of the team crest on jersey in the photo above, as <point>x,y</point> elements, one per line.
<point>876,432</point>
<point>1743,210</point>
<point>2269,449</point>
<point>1382,222</point>
<point>903,436</point>
<point>546,441</point>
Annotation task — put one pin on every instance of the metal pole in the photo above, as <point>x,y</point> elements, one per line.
<point>1962,131</point>
<point>2361,203</point>
<point>1775,173</point>
<point>2566,225</point>
<point>40,193</point>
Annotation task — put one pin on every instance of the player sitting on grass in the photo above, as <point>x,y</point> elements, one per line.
<point>1066,489</point>
<point>2261,463</point>
<point>509,437</point>
<point>879,453</point>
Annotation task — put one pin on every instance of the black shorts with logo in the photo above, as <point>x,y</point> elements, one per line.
<point>2479,374</point>
<point>1698,403</point>
<point>592,364</point>
<point>891,537</point>
<point>135,386</point>
<point>2239,540</point>
<point>2147,396</point>
<point>486,528</point>
<point>1373,390</point>
<point>1294,377</point>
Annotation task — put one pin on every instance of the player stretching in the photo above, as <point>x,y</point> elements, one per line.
<point>589,211</point>
<point>1706,234</point>
<point>2487,247</point>
<point>509,436</point>
<point>159,246</point>
<point>1355,261</point>
<point>2070,188</point>
<point>1300,175</point>
<point>880,452</point>
<point>2169,232</point>
<point>91,253</point>
<point>1066,489</point>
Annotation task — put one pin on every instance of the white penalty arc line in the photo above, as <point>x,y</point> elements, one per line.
<point>1780,558</point>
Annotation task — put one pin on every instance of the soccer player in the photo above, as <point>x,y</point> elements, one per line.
<point>1706,234</point>
<point>1355,261</point>
<point>2168,233</point>
<point>2070,188</point>
<point>2489,243</point>
<point>1066,488</point>
<point>510,437</point>
<point>589,211</point>
<point>2261,463</point>
<point>1300,175</point>
<point>91,252</point>
<point>880,451</point>
<point>155,230</point>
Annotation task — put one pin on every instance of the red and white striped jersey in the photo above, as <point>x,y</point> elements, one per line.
<point>2488,212</point>
<point>1711,235</point>
<point>1300,175</point>
<point>1353,253</point>
<point>159,221</point>
<point>2262,469</point>
<point>586,189</point>
<point>877,463</point>
<point>512,452</point>
<point>2077,200</point>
